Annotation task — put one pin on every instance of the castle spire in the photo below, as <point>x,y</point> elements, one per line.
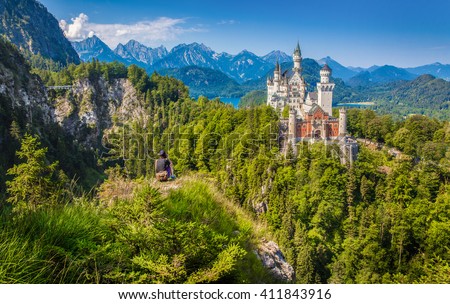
<point>297,50</point>
<point>297,57</point>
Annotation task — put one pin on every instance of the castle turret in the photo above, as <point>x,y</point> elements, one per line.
<point>325,90</point>
<point>325,74</point>
<point>342,122</point>
<point>276,77</point>
<point>297,56</point>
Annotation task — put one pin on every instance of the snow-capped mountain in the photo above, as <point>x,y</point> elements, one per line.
<point>193,54</point>
<point>275,56</point>
<point>247,66</point>
<point>93,47</point>
<point>134,51</point>
<point>241,67</point>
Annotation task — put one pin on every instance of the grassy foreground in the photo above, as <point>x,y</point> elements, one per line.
<point>131,233</point>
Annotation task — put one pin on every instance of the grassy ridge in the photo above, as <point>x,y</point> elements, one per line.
<point>202,202</point>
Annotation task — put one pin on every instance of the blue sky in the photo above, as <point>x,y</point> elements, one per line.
<point>357,33</point>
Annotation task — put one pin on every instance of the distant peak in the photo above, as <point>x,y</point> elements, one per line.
<point>196,44</point>
<point>93,37</point>
<point>245,51</point>
<point>93,40</point>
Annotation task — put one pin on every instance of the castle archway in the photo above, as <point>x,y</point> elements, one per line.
<point>317,134</point>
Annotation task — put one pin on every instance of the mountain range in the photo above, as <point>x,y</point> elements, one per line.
<point>245,66</point>
<point>241,67</point>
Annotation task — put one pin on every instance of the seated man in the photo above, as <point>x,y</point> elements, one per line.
<point>163,167</point>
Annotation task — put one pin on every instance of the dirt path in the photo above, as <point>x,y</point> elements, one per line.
<point>165,187</point>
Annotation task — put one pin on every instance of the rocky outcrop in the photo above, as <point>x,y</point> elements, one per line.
<point>88,109</point>
<point>21,93</point>
<point>272,258</point>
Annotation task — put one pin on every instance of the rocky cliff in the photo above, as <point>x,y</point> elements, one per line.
<point>23,96</point>
<point>87,109</point>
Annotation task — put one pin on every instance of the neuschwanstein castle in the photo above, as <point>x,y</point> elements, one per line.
<point>310,113</point>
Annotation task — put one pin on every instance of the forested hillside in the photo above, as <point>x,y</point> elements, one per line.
<point>206,82</point>
<point>383,220</point>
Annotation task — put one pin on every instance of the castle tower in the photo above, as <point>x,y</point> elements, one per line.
<point>342,122</point>
<point>277,77</point>
<point>269,90</point>
<point>325,74</point>
<point>325,90</point>
<point>297,56</point>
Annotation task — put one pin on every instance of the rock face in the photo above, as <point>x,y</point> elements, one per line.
<point>22,94</point>
<point>87,110</point>
<point>28,24</point>
<point>272,258</point>
<point>23,105</point>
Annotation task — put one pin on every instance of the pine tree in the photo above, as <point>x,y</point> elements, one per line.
<point>34,183</point>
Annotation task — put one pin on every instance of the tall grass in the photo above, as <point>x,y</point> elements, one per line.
<point>21,261</point>
<point>56,245</point>
<point>195,203</point>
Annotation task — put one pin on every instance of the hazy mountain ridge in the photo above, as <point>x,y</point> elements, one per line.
<point>382,74</point>
<point>436,69</point>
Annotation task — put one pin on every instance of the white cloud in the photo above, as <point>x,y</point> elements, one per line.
<point>77,29</point>
<point>147,32</point>
<point>228,22</point>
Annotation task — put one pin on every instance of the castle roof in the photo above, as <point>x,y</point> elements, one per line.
<point>297,50</point>
<point>313,96</point>
<point>326,68</point>
<point>315,107</point>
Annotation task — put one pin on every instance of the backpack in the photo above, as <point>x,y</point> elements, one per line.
<point>162,176</point>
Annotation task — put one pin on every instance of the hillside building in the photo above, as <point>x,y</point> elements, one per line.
<point>310,113</point>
